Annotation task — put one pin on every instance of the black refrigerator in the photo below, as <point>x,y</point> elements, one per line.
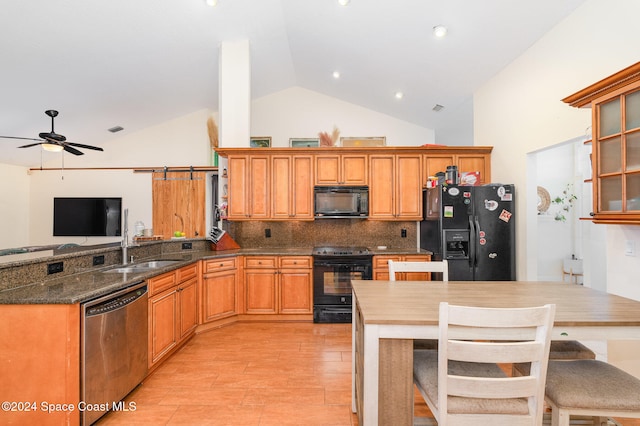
<point>473,227</point>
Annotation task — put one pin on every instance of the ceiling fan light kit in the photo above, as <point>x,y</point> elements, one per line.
<point>54,142</point>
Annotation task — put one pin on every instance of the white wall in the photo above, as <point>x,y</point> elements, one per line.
<point>302,113</point>
<point>14,206</point>
<point>520,109</point>
<point>180,142</point>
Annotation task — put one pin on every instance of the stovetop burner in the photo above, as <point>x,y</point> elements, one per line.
<point>340,251</point>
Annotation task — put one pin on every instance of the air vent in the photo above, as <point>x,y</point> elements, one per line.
<point>116,129</point>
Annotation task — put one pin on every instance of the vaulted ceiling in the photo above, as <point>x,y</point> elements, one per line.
<point>137,63</point>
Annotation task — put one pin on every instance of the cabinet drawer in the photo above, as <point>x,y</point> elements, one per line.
<point>161,283</point>
<point>186,273</point>
<point>215,265</point>
<point>296,262</point>
<point>417,258</point>
<point>254,262</point>
<point>383,261</point>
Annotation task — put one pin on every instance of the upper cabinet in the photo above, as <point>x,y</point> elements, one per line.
<point>277,183</point>
<point>341,169</point>
<point>615,112</point>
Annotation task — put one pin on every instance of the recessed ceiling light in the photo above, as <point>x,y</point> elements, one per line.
<point>343,2</point>
<point>336,74</point>
<point>399,95</point>
<point>211,3</point>
<point>116,129</point>
<point>437,107</point>
<point>440,31</point>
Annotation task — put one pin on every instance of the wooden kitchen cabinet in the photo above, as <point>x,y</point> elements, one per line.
<point>249,182</point>
<point>278,285</point>
<point>465,161</point>
<point>292,187</point>
<point>220,287</point>
<point>296,287</point>
<point>178,203</point>
<point>615,111</point>
<point>381,267</point>
<point>395,190</point>
<point>173,311</point>
<point>341,169</point>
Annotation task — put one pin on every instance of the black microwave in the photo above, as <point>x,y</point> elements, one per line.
<point>341,201</point>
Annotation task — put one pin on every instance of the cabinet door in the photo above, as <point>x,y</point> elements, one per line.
<point>328,169</point>
<point>163,317</point>
<point>408,187</point>
<point>261,291</point>
<point>220,295</point>
<point>188,303</point>
<point>302,187</point>
<point>416,276</point>
<point>354,169</point>
<point>436,163</point>
<point>259,187</point>
<point>296,294</point>
<point>238,207</point>
<point>475,163</point>
<point>291,187</point>
<point>381,188</point>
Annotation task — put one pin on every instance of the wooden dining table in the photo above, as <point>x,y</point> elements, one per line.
<point>389,315</point>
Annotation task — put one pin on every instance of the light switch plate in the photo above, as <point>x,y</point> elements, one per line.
<point>629,248</point>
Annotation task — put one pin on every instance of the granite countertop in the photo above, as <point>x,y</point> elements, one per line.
<point>94,282</point>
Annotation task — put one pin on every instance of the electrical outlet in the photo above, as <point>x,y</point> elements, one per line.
<point>629,248</point>
<point>267,233</point>
<point>186,246</point>
<point>403,233</point>
<point>98,260</point>
<point>54,268</point>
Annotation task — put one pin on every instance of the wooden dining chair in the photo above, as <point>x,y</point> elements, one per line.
<point>433,266</point>
<point>590,387</point>
<point>462,382</point>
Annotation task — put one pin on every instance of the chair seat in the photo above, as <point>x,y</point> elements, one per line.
<point>569,349</point>
<point>425,375</point>
<point>592,385</point>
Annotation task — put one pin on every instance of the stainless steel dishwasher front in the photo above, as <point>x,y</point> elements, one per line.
<point>114,350</point>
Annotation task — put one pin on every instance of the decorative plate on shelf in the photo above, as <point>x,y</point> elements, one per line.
<point>544,200</point>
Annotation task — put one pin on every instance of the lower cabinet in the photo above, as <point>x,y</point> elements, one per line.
<point>173,310</point>
<point>220,287</point>
<point>278,284</point>
<point>381,267</point>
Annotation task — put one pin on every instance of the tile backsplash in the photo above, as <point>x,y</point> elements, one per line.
<point>337,232</point>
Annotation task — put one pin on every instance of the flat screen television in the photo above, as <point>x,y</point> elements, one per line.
<point>87,217</point>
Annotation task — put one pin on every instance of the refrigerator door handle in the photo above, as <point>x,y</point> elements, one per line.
<point>472,243</point>
<point>477,241</point>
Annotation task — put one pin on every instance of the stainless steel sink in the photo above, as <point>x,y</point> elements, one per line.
<point>141,267</point>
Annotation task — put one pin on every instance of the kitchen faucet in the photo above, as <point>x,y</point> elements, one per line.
<point>125,237</point>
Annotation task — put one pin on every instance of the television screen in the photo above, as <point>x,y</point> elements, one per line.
<point>87,217</point>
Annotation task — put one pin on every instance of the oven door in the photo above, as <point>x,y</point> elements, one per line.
<point>332,278</point>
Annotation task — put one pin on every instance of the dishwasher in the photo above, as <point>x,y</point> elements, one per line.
<point>113,350</point>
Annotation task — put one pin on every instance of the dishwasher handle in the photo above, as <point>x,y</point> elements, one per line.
<point>116,302</point>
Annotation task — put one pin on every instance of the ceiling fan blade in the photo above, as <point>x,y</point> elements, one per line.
<point>79,145</point>
<point>31,144</point>
<point>16,137</point>
<point>72,150</point>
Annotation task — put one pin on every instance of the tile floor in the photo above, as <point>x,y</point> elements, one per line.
<point>254,374</point>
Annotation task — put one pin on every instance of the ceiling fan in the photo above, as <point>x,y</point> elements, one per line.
<point>52,141</point>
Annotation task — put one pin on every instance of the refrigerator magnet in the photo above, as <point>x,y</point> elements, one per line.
<point>490,205</point>
<point>507,197</point>
<point>505,216</point>
<point>448,211</point>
